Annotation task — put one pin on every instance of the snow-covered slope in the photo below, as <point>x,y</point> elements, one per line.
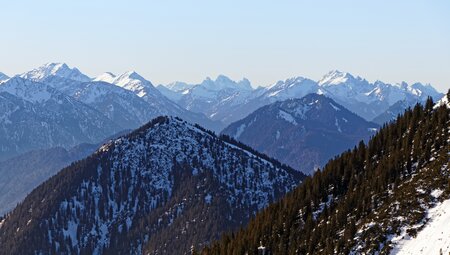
<point>34,115</point>
<point>303,133</point>
<point>3,77</point>
<point>444,101</point>
<point>55,69</point>
<point>168,185</point>
<point>106,77</point>
<point>434,238</point>
<point>296,87</point>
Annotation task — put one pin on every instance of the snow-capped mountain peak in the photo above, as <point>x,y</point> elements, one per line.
<point>106,77</point>
<point>426,89</point>
<point>223,82</point>
<point>335,77</point>
<point>134,82</point>
<point>179,86</point>
<point>55,69</point>
<point>130,76</point>
<point>295,87</point>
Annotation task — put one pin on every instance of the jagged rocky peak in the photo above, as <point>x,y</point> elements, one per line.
<point>224,82</point>
<point>55,69</point>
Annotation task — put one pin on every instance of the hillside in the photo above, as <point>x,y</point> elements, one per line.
<point>21,174</point>
<point>365,201</point>
<point>303,133</point>
<point>163,188</point>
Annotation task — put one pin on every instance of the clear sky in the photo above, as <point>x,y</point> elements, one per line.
<point>264,41</point>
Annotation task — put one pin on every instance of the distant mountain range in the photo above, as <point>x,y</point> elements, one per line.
<point>57,106</point>
<point>303,133</point>
<point>228,101</point>
<point>165,187</point>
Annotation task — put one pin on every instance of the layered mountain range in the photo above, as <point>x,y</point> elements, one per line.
<point>229,101</point>
<point>57,106</point>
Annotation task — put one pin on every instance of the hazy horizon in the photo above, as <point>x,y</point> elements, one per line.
<point>259,40</point>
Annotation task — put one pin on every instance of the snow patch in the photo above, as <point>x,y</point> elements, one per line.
<point>208,199</point>
<point>239,131</point>
<point>335,107</point>
<point>287,117</point>
<point>433,239</point>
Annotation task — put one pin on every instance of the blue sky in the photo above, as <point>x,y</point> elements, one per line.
<point>264,41</point>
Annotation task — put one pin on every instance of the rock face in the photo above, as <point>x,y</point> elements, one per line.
<point>164,187</point>
<point>303,133</point>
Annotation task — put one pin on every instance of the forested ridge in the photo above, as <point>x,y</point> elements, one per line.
<point>163,188</point>
<point>361,198</point>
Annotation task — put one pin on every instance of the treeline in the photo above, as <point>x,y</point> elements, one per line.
<point>323,215</point>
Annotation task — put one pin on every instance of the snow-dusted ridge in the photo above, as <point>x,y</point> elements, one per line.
<point>55,69</point>
<point>165,170</point>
